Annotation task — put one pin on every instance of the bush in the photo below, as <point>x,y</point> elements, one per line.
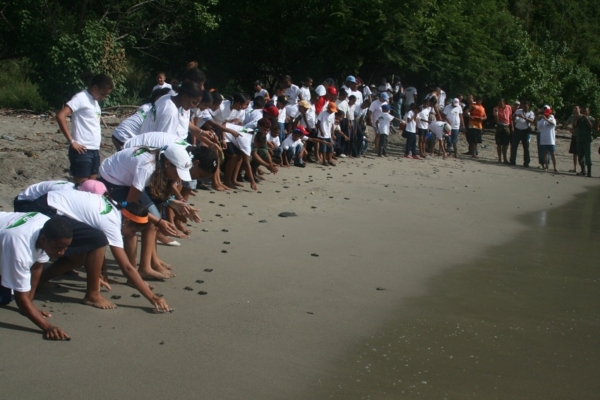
<point>16,90</point>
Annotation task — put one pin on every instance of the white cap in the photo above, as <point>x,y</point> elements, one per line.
<point>179,157</point>
<point>455,102</point>
<point>320,90</point>
<point>447,127</point>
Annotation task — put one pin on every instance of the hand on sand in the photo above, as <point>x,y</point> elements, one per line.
<point>55,333</point>
<point>104,284</point>
<point>159,304</point>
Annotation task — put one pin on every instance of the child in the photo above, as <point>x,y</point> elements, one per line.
<point>344,108</point>
<point>252,116</point>
<point>261,156</point>
<point>546,125</point>
<point>86,135</point>
<point>360,144</point>
<point>306,88</point>
<point>423,127</point>
<point>325,124</point>
<point>383,126</point>
<point>161,82</point>
<point>410,132</point>
<point>260,91</point>
<point>292,149</point>
<point>282,118</point>
<point>274,142</point>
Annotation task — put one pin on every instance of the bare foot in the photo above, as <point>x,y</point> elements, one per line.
<point>98,302</point>
<point>153,275</point>
<point>162,270</point>
<point>237,184</point>
<point>218,188</point>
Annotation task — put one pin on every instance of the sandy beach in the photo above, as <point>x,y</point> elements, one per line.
<point>293,304</point>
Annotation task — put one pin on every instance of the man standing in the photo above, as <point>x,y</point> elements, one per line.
<point>398,93</point>
<point>454,116</point>
<point>410,96</point>
<point>291,91</point>
<point>584,124</point>
<point>522,118</point>
<point>477,115</point>
<point>503,117</point>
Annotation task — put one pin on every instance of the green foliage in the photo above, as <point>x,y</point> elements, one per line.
<point>16,90</point>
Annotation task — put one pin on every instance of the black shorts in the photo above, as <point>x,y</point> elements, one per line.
<point>573,145</point>
<point>84,165</point>
<point>502,135</point>
<point>85,238</point>
<point>232,149</point>
<point>422,132</point>
<point>473,136</point>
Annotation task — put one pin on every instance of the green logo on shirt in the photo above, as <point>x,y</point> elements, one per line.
<point>22,220</point>
<point>107,207</point>
<point>182,143</point>
<point>140,152</point>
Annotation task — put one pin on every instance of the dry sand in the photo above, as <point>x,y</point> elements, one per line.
<point>276,321</point>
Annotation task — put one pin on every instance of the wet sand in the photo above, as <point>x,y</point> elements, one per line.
<point>522,321</point>
<point>277,322</point>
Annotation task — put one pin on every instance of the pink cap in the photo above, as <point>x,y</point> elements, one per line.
<point>93,186</point>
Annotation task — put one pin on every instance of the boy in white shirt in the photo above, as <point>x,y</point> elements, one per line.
<point>85,137</point>
<point>383,126</point>
<point>291,91</point>
<point>260,91</point>
<point>293,149</point>
<point>28,240</point>
<point>375,110</point>
<point>423,127</point>
<point>325,124</point>
<point>546,125</point>
<point>453,114</point>
<point>161,83</point>
<point>440,129</point>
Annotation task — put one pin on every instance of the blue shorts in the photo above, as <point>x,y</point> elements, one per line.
<point>84,165</point>
<point>454,136</point>
<point>120,193</point>
<point>325,148</point>
<point>422,132</point>
<point>547,148</point>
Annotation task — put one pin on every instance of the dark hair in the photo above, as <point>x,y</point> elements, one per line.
<point>191,89</point>
<point>239,98</point>
<point>339,114</point>
<point>308,78</point>
<point>193,74</point>
<point>368,102</point>
<point>57,227</point>
<point>259,102</point>
<point>161,73</point>
<point>206,97</point>
<point>260,138</point>
<point>217,98</point>
<point>352,97</point>
<point>287,78</point>
<point>102,81</point>
<point>206,157</point>
<point>158,93</point>
<point>342,93</point>
<point>137,209</point>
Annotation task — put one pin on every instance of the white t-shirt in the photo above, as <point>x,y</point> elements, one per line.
<point>129,167</point>
<point>383,123</point>
<point>289,142</point>
<point>520,115</point>
<point>375,109</point>
<point>366,91</point>
<point>92,209</point>
<point>547,131</point>
<point>384,88</point>
<point>18,234</point>
<point>326,121</point>
<point>343,106</point>
<point>132,126</point>
<point>37,190</point>
<point>442,100</point>
<point>164,85</point>
<point>412,125</point>
<point>85,120</point>
<point>351,109</point>
<point>453,114</point>
<point>251,118</point>
<point>166,117</point>
<point>410,95</point>
<point>305,93</point>
<point>308,120</point>
<point>262,92</point>
<point>423,118</point>
<point>243,141</point>
<point>202,115</point>
<point>237,114</point>
<point>155,140</point>
<point>273,139</point>
<point>222,113</point>
<point>282,115</point>
<point>292,93</point>
<point>437,128</point>
<point>358,95</point>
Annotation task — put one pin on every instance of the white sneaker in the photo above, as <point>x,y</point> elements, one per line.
<point>343,156</point>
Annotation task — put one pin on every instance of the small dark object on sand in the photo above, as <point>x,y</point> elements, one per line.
<point>135,295</point>
<point>380,288</point>
<point>161,343</point>
<point>224,230</point>
<point>314,255</point>
<point>115,297</point>
<point>262,221</point>
<point>189,289</point>
<point>226,242</point>
<point>206,270</point>
<point>286,214</point>
<point>202,292</point>
<point>199,281</point>
<point>308,312</point>
<point>159,295</point>
<point>223,251</point>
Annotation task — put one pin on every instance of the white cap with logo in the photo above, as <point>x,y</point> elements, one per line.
<point>179,157</point>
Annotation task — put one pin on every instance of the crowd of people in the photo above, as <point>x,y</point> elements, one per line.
<point>188,136</point>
